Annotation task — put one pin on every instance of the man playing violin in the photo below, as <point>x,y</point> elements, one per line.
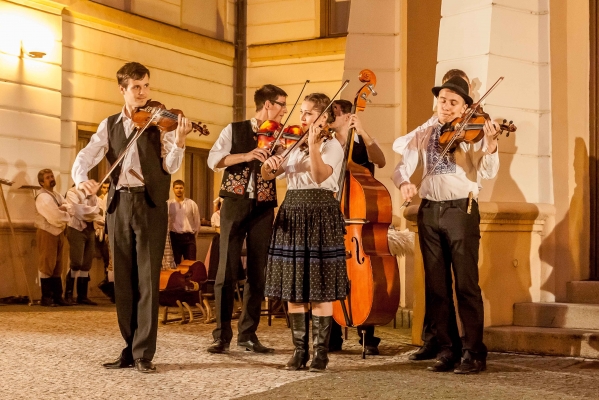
<point>366,152</point>
<point>247,213</point>
<point>136,211</point>
<point>448,228</point>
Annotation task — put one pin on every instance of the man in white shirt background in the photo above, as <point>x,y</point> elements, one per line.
<point>183,223</point>
<point>51,220</point>
<point>82,244</point>
<point>102,246</point>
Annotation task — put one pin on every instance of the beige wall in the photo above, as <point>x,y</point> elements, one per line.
<point>42,102</point>
<point>212,18</point>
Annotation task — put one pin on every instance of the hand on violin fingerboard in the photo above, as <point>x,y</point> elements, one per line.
<point>314,138</point>
<point>183,128</point>
<point>491,128</point>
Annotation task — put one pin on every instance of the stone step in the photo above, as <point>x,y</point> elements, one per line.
<point>549,341</point>
<point>583,292</point>
<point>557,315</point>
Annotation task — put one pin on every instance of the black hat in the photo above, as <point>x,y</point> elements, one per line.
<point>458,85</point>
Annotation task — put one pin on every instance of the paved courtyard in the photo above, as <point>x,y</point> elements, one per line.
<point>56,354</point>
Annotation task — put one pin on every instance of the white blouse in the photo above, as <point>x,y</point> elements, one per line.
<point>298,170</point>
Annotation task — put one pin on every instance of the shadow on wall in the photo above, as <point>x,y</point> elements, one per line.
<point>565,247</point>
<point>502,283</point>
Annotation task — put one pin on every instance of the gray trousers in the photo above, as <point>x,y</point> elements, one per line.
<point>137,234</point>
<point>82,247</point>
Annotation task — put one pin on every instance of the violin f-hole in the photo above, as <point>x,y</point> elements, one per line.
<point>359,258</point>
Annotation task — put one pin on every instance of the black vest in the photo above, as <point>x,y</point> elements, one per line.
<point>360,155</point>
<point>236,177</point>
<point>149,148</point>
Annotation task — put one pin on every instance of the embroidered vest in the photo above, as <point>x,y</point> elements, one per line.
<point>149,148</point>
<point>236,177</point>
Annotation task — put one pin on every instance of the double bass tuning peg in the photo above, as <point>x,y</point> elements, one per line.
<point>363,95</point>
<point>371,88</point>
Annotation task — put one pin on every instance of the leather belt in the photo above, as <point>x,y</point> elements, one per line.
<point>132,189</point>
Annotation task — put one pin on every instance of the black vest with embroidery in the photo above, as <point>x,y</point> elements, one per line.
<point>149,148</point>
<point>236,177</point>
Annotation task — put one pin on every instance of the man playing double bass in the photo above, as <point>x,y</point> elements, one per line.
<point>136,211</point>
<point>366,152</point>
<point>448,228</point>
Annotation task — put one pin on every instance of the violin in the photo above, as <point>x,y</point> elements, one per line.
<point>326,133</point>
<point>471,131</point>
<point>271,138</point>
<point>154,113</point>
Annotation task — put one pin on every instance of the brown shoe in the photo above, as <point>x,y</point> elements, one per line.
<point>470,366</point>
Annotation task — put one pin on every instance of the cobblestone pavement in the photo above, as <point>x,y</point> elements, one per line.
<point>56,354</point>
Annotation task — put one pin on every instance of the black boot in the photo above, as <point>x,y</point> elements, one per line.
<point>321,334</point>
<point>299,335</point>
<point>107,288</point>
<point>57,292</point>
<point>68,288</point>
<point>82,283</point>
<point>46,286</point>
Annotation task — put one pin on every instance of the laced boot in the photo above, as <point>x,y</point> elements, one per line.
<point>321,334</point>
<point>299,335</point>
<point>57,292</point>
<point>46,287</point>
<point>82,283</point>
<point>68,288</point>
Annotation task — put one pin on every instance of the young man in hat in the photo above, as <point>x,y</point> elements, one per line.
<point>448,228</point>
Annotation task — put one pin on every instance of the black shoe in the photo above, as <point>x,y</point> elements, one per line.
<point>371,350</point>
<point>299,323</point>
<point>443,364</point>
<point>47,302</point>
<point>321,335</point>
<point>219,346</point>
<point>145,366</point>
<point>46,286</point>
<point>470,366</point>
<point>56,283</point>
<point>120,362</point>
<point>424,353</point>
<point>82,283</point>
<point>68,288</point>
<point>255,346</point>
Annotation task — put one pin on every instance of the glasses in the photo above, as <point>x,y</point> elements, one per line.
<point>279,103</point>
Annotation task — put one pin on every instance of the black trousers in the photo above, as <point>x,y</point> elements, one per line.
<point>449,240</point>
<point>82,247</point>
<point>241,219</point>
<point>184,246</point>
<point>136,232</point>
<point>337,335</point>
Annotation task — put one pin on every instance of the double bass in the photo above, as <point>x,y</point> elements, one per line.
<point>373,273</point>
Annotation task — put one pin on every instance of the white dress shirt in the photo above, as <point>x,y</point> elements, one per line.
<point>215,219</point>
<point>222,148</point>
<point>83,209</point>
<point>455,175</point>
<point>49,217</point>
<point>298,170</point>
<point>183,217</point>
<point>92,154</point>
<point>400,144</point>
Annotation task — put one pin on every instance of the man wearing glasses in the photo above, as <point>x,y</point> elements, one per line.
<point>247,213</point>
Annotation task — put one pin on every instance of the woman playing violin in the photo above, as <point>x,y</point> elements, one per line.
<point>306,257</point>
<point>448,227</point>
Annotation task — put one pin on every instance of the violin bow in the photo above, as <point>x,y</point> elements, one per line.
<point>459,131</point>
<point>288,116</point>
<point>131,143</point>
<point>302,139</point>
